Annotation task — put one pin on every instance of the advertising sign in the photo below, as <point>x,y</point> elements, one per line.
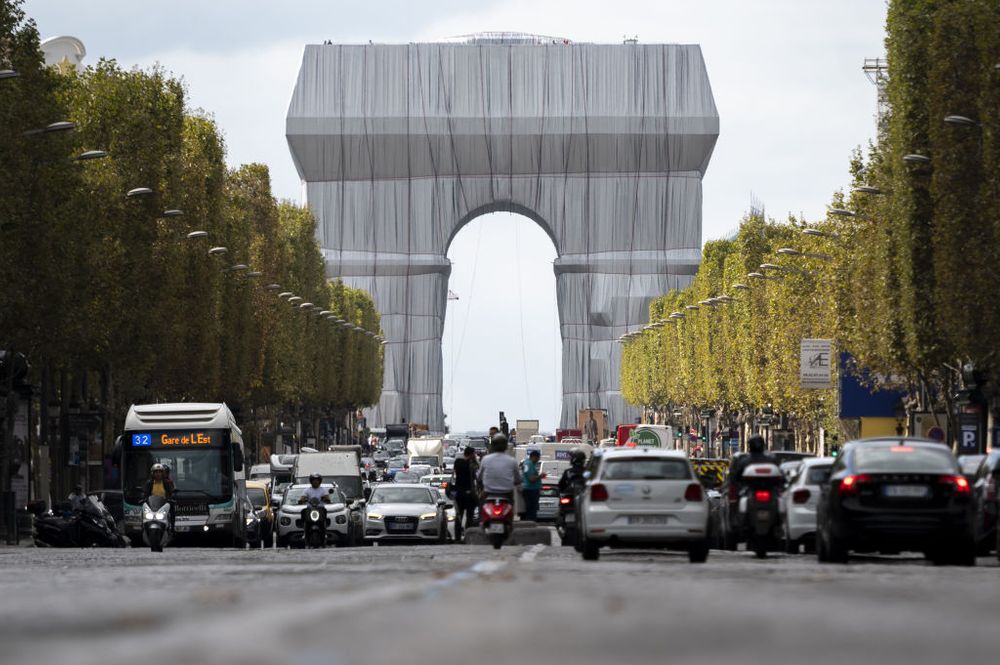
<point>593,423</point>
<point>815,364</point>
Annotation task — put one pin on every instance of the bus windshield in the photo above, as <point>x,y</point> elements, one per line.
<point>199,462</point>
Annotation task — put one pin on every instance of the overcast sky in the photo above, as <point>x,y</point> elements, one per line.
<point>786,75</point>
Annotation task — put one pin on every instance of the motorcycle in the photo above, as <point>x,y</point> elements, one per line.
<point>566,520</point>
<point>157,523</point>
<point>497,516</point>
<point>314,524</point>
<point>91,525</point>
<point>759,507</point>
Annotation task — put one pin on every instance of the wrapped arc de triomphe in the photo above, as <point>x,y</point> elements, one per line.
<point>604,146</point>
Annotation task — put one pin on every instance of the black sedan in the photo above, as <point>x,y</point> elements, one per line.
<point>984,500</point>
<point>893,495</point>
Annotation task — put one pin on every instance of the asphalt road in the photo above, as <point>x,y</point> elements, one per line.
<point>468,604</point>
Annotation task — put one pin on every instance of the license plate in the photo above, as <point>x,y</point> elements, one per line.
<point>763,514</point>
<point>182,529</point>
<point>648,519</point>
<point>907,491</point>
<point>495,527</point>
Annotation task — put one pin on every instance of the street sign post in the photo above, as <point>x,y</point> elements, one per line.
<point>815,364</point>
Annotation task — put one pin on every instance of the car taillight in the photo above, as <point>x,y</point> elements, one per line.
<point>960,483</point>
<point>693,492</point>
<point>565,501</point>
<point>800,496</point>
<point>762,496</point>
<point>598,493</point>
<point>849,484</point>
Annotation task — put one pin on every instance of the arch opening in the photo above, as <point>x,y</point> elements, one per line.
<point>501,348</point>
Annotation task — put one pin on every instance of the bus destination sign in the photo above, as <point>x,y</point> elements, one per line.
<point>174,439</point>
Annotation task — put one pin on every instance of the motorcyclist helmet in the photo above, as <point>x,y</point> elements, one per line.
<point>577,457</point>
<point>756,444</point>
<point>158,467</point>
<point>498,443</point>
<point>315,479</point>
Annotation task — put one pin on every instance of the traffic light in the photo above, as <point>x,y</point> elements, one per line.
<point>834,450</point>
<point>677,434</point>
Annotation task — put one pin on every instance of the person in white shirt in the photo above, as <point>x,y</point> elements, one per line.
<point>498,472</point>
<point>314,491</point>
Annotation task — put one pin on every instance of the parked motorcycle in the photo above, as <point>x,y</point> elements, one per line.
<point>759,507</point>
<point>314,524</point>
<point>157,523</point>
<point>497,516</point>
<point>89,526</point>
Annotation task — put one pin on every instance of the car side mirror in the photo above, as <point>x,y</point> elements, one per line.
<point>237,456</point>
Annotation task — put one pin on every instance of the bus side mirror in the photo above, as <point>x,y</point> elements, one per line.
<point>237,457</point>
<point>116,452</point>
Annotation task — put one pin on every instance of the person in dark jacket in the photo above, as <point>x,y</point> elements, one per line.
<point>464,486</point>
<point>159,483</point>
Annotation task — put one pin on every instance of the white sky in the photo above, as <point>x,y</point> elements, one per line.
<point>786,75</point>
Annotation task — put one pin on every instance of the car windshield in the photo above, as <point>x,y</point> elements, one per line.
<point>817,475</point>
<point>397,463</point>
<point>257,497</point>
<point>646,468</point>
<point>970,463</point>
<point>401,495</point>
<point>904,458</point>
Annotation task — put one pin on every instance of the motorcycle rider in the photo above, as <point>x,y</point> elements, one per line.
<point>572,478</point>
<point>77,498</point>
<point>314,491</point>
<point>159,483</point>
<point>758,455</point>
<point>498,472</point>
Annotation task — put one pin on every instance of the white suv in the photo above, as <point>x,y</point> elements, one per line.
<point>643,497</point>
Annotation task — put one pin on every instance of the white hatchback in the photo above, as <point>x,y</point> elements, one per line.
<point>644,497</point>
<point>798,503</point>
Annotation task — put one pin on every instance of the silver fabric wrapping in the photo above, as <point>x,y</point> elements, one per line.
<point>604,146</point>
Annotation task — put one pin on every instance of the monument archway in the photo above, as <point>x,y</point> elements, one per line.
<point>604,146</point>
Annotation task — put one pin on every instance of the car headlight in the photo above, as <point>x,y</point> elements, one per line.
<point>161,515</point>
<point>314,515</point>
<point>428,516</point>
<point>451,518</point>
<point>285,521</point>
<point>148,515</point>
<point>375,516</point>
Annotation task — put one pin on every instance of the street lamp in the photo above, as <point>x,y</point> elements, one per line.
<point>294,299</point>
<point>760,275</point>
<point>217,251</point>
<point>842,212</point>
<point>254,273</point>
<point>172,213</point>
<point>195,235</point>
<point>788,251</point>
<point>693,308</point>
<point>867,189</point>
<point>138,191</point>
<point>8,74</point>
<point>239,267</point>
<point>960,121</point>
<point>285,294</point>
<point>740,286</point>
<point>52,128</point>
<point>90,154</point>
<point>914,158</point>
<point>273,287</point>
<point>821,234</point>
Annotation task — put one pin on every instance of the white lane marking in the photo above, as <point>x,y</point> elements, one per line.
<point>532,552</point>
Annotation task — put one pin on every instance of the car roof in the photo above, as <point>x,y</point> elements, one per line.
<point>899,441</point>
<point>813,461</point>
<point>420,486</point>
<point>640,452</point>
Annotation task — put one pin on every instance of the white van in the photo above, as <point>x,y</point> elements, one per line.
<point>341,465</point>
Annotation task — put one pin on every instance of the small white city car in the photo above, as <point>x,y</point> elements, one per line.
<point>643,498</point>
<point>798,503</point>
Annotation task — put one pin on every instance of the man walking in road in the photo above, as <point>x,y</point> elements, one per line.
<point>531,489</point>
<point>464,485</point>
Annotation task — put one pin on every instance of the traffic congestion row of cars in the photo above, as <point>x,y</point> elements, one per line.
<point>882,496</point>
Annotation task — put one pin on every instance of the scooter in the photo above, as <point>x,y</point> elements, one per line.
<point>759,507</point>
<point>566,520</point>
<point>497,515</point>
<point>314,524</point>
<point>89,526</point>
<point>157,527</point>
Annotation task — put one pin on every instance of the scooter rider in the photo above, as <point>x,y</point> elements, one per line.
<point>498,472</point>
<point>314,491</point>
<point>159,484</point>
<point>758,455</point>
<point>572,478</point>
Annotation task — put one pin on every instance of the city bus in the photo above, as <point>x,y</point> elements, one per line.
<point>202,447</point>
